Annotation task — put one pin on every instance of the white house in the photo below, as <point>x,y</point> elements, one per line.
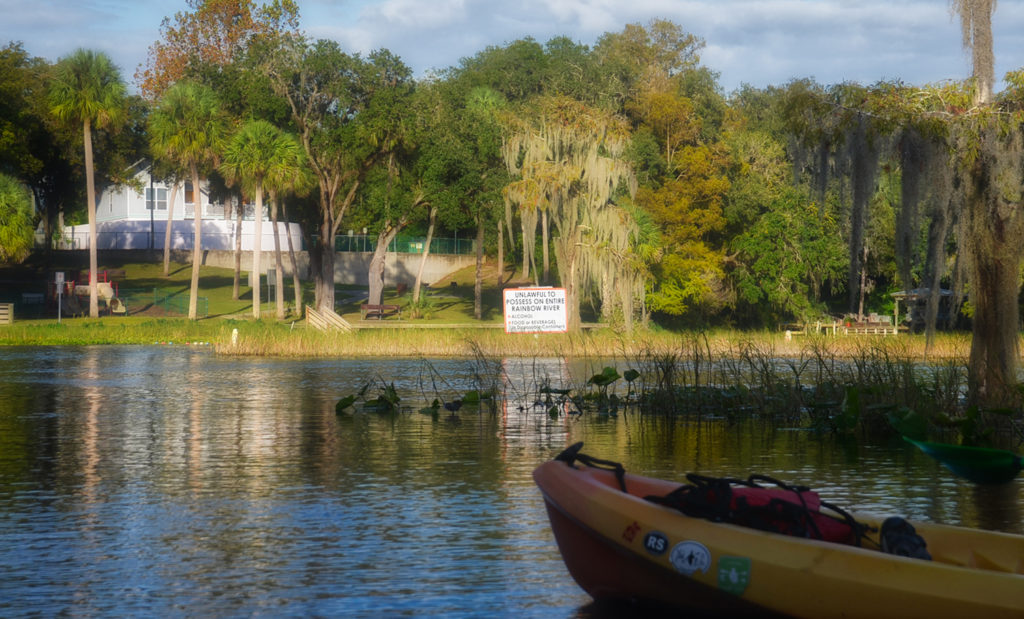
<point>130,219</point>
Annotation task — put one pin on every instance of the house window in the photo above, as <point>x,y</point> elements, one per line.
<point>161,198</point>
<point>189,197</point>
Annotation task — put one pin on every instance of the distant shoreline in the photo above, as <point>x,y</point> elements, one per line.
<point>295,339</point>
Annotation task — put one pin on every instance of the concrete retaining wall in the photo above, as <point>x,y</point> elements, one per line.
<point>349,267</point>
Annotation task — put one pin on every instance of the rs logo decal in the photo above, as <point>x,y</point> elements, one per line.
<point>655,543</point>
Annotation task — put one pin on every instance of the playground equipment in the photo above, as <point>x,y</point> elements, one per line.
<point>106,290</point>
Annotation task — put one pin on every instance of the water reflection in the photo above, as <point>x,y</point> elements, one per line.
<point>171,481</point>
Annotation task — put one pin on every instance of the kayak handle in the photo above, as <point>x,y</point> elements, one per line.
<point>572,454</point>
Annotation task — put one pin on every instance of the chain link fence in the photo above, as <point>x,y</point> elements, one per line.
<point>404,244</point>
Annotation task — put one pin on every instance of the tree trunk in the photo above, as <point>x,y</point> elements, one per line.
<point>296,282</point>
<point>527,253</point>
<point>995,249</point>
<point>934,270</point>
<point>170,226</point>
<point>863,284</point>
<point>607,295</point>
<point>239,220</point>
<point>544,240</point>
<point>315,269</point>
<point>257,254</point>
<point>864,168</point>
<point>324,285</point>
<point>90,196</point>
<point>197,245</point>
<point>570,252</point>
<point>47,228</point>
<point>626,294</point>
<point>478,303</point>
<point>426,253</point>
<point>378,262</point>
<point>278,271</point>
<point>501,256</point>
<point>322,256</point>
<point>994,345</point>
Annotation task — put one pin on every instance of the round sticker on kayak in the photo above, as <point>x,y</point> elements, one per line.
<point>656,543</point>
<point>689,557</point>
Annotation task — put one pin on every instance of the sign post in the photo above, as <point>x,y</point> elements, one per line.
<point>535,310</point>
<point>58,280</point>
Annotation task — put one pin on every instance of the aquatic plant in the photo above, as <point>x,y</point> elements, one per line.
<point>387,401</point>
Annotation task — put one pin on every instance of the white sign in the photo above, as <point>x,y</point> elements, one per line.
<point>58,280</point>
<point>536,310</point>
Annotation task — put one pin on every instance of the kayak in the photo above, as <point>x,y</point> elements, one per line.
<point>622,539</point>
<point>981,465</point>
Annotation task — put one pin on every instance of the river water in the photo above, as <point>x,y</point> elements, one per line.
<point>170,481</point>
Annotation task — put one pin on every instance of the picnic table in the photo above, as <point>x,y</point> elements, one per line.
<point>379,311</point>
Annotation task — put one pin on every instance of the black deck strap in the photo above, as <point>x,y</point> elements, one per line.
<point>753,479</point>
<point>568,454</point>
<point>703,480</point>
<point>860,530</point>
<point>572,454</point>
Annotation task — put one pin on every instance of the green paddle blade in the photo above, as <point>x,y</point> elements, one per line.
<point>978,464</point>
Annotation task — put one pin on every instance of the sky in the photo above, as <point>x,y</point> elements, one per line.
<point>755,42</point>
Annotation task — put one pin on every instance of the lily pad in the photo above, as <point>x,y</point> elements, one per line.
<point>607,376</point>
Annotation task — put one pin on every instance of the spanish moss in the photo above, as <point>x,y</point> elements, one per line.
<point>863,155</point>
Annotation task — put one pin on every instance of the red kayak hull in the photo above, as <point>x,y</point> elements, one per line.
<point>608,573</point>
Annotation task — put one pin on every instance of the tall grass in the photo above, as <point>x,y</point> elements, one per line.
<point>866,389</point>
<point>86,331</point>
<point>295,339</point>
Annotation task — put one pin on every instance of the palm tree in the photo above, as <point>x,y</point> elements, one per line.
<point>260,156</point>
<point>16,210</point>
<point>87,89</point>
<point>188,128</point>
<point>175,178</point>
<point>289,173</point>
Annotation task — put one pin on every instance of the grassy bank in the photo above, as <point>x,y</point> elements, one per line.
<point>296,339</point>
<point>449,302</point>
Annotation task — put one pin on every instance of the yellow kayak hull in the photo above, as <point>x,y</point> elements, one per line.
<point>619,546</point>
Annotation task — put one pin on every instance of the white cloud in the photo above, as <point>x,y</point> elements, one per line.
<point>416,14</point>
<point>760,42</point>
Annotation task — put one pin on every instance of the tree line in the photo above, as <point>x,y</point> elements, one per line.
<point>619,170</point>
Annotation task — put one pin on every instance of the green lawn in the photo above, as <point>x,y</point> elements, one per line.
<point>449,305</point>
<point>141,284</point>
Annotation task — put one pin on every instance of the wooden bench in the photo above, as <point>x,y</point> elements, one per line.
<point>379,312</point>
<point>6,313</point>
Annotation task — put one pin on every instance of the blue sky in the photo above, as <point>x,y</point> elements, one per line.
<point>759,42</point>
